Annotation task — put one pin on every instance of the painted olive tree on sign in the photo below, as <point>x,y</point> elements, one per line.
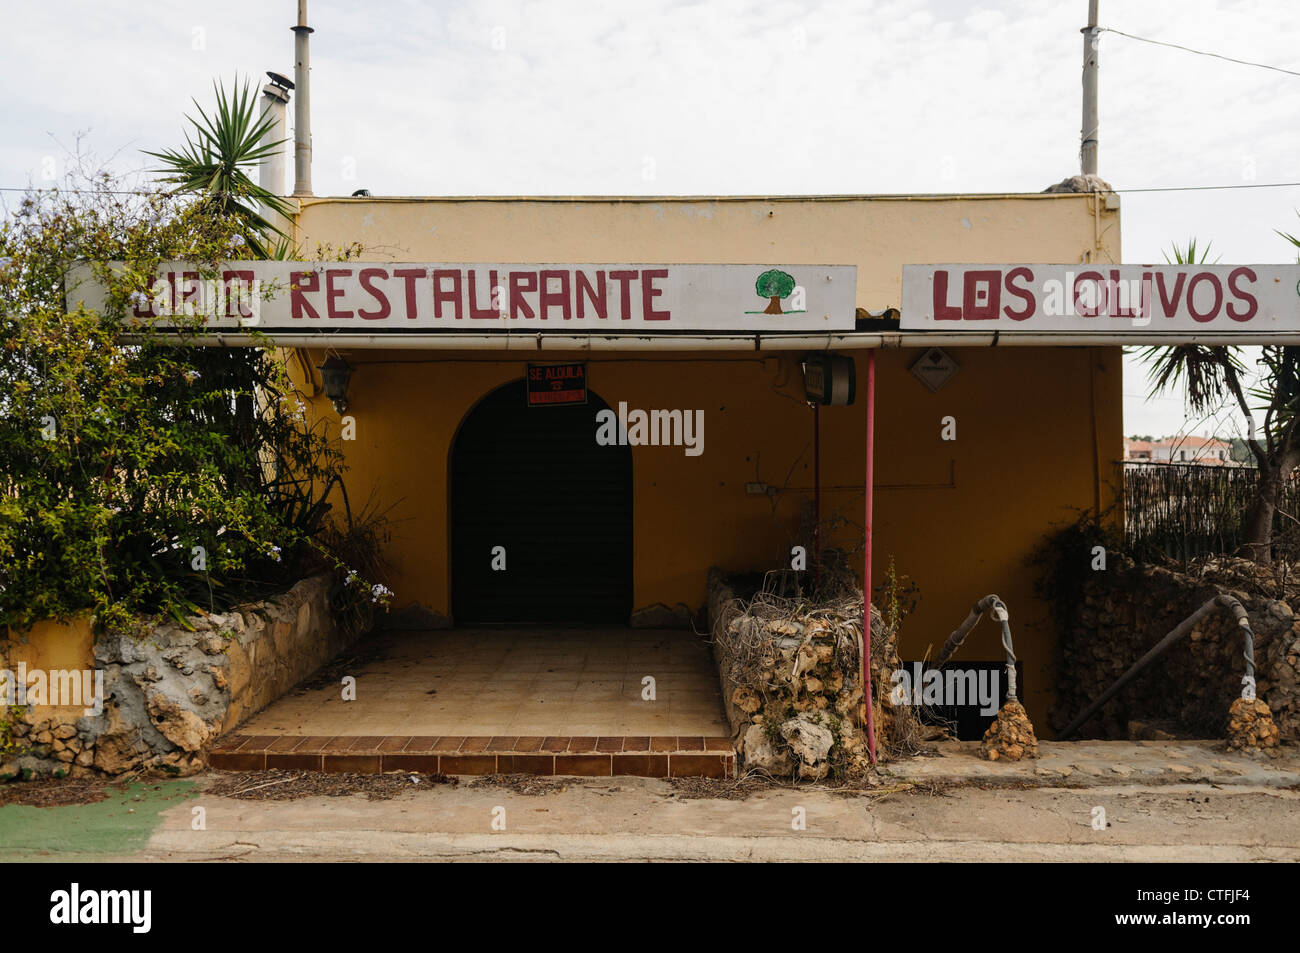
<point>774,284</point>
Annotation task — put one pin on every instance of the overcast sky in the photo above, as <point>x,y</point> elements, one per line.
<point>709,97</point>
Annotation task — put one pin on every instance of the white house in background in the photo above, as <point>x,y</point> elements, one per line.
<point>1137,451</point>
<point>1206,451</point>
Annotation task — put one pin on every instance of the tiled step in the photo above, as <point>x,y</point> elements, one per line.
<point>606,756</point>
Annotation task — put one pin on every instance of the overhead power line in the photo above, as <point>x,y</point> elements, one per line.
<point>1208,188</point>
<point>1188,49</point>
<point>54,188</point>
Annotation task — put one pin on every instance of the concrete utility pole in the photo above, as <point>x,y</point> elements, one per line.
<point>1091,37</point>
<point>302,106</point>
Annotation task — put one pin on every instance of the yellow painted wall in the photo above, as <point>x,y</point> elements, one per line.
<point>50,647</point>
<point>1037,428</point>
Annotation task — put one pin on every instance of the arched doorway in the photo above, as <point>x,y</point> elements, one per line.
<point>534,481</point>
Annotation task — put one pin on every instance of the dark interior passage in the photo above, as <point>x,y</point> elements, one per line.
<point>534,481</point>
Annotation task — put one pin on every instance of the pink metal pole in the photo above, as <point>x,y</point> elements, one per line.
<point>817,497</point>
<point>870,719</point>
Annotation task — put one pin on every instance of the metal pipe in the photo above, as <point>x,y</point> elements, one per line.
<point>817,496</point>
<point>998,609</point>
<point>1088,135</point>
<point>302,106</point>
<point>1222,600</point>
<point>869,489</point>
<point>451,341</point>
<point>847,340</point>
<point>270,170</point>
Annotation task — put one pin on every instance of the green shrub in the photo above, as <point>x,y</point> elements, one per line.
<point>146,475</point>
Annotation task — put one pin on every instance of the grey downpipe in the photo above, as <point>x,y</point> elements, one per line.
<point>1222,600</point>
<point>991,604</point>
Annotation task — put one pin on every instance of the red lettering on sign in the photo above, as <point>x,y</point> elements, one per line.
<point>595,295</point>
<point>981,298</point>
<point>557,384</point>
<point>1098,282</point>
<point>943,311</point>
<point>242,277</point>
<point>1144,304</point>
<point>409,276</point>
<point>441,294</point>
<point>1024,294</point>
<point>189,287</point>
<point>300,283</point>
<point>625,278</point>
<point>1204,316</point>
<point>649,292</point>
<point>1117,309</point>
<point>335,314</point>
<point>368,277</point>
<point>521,283</point>
<point>546,298</point>
<point>1168,306</point>
<point>474,310</point>
<point>1252,306</point>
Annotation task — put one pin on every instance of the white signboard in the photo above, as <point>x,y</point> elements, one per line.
<point>1115,298</point>
<point>378,297</point>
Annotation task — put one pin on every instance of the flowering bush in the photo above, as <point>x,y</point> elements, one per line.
<point>141,476</point>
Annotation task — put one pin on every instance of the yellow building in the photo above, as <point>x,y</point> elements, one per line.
<point>444,442</point>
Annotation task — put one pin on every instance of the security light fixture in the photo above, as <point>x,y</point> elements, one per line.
<point>829,379</point>
<point>334,375</point>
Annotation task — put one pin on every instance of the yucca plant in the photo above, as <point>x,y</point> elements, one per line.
<point>219,149</point>
<point>1207,370</point>
<point>1213,372</point>
<point>1291,238</point>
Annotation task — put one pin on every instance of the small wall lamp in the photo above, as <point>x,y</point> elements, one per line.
<point>334,375</point>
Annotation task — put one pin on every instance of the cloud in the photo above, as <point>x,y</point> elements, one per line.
<point>723,96</point>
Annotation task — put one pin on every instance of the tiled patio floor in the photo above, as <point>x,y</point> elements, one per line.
<point>512,683</point>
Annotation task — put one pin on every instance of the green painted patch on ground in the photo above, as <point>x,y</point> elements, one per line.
<point>120,824</point>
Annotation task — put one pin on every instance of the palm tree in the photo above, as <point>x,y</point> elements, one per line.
<point>1212,371</point>
<point>218,150</point>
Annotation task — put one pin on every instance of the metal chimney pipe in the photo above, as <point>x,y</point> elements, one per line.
<point>270,171</point>
<point>302,108</point>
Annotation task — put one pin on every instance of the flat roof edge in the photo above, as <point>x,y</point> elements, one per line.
<point>308,201</point>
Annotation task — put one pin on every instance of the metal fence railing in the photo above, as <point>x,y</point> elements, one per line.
<point>1182,511</point>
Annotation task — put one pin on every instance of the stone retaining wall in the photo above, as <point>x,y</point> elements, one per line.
<point>794,701</point>
<point>1187,692</point>
<point>168,694</point>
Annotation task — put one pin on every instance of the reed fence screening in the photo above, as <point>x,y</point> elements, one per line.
<point>1182,511</point>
